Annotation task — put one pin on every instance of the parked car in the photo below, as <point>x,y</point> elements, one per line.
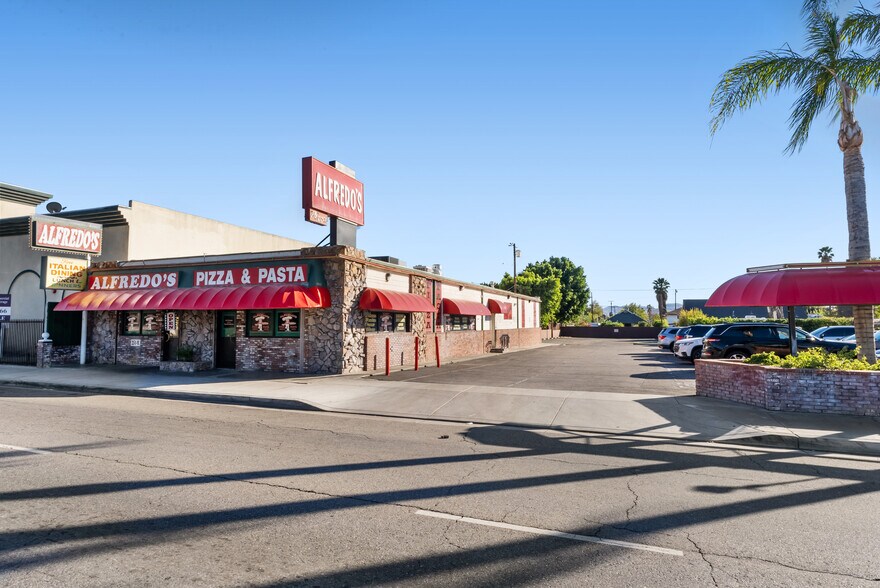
<point>852,339</point>
<point>739,341</point>
<point>834,333</point>
<point>691,347</point>
<point>667,337</point>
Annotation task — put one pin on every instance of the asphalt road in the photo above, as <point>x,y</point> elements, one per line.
<point>606,365</point>
<point>108,491</point>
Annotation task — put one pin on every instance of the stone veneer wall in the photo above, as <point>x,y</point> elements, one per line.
<point>269,354</point>
<point>102,346</point>
<point>795,390</point>
<point>197,331</point>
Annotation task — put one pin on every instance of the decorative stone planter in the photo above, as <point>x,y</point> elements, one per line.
<point>794,390</point>
<point>184,366</point>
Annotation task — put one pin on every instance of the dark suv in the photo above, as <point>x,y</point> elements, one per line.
<point>739,341</point>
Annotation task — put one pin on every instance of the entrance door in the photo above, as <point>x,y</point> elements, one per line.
<point>170,335</point>
<point>226,339</point>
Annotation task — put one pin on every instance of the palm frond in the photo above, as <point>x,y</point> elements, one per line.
<point>862,73</point>
<point>823,40</point>
<point>861,26</point>
<point>752,79</point>
<point>821,91</point>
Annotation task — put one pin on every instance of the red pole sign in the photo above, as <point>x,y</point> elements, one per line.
<point>327,190</point>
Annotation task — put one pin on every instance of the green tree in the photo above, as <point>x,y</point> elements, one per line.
<point>661,290</point>
<point>829,77</point>
<point>548,289</point>
<point>575,292</point>
<point>825,254</point>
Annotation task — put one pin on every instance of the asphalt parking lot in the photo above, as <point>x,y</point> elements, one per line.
<point>635,366</point>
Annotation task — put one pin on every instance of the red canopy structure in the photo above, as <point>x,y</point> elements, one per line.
<point>805,285</point>
<point>499,307</point>
<point>232,298</point>
<point>465,307</point>
<point>376,299</point>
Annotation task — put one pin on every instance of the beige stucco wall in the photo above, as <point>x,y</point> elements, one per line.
<point>159,232</point>
<point>394,283</point>
<point>16,256</point>
<point>13,209</point>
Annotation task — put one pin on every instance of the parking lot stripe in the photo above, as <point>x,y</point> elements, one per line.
<point>549,533</point>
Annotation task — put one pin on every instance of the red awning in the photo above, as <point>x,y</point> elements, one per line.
<point>375,299</point>
<point>801,287</point>
<point>232,298</point>
<point>464,307</point>
<point>499,307</point>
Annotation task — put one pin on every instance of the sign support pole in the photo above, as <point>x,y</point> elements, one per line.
<point>83,335</point>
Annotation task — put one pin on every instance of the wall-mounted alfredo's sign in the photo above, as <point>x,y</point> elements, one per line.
<point>50,233</point>
<point>328,191</point>
<point>133,281</point>
<point>200,278</point>
<point>63,273</point>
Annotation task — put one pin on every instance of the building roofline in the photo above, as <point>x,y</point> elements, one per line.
<point>22,195</point>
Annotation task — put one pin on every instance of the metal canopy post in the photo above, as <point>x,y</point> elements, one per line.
<point>792,332</point>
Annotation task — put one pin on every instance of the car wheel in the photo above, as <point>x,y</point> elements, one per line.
<point>697,354</point>
<point>670,347</point>
<point>737,354</point>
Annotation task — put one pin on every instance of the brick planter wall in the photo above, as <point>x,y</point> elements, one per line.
<point>149,353</point>
<point>795,390</point>
<point>265,354</point>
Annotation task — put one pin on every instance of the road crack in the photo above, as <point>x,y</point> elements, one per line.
<point>705,558</point>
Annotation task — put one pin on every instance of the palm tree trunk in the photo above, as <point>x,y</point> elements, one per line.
<point>859,242</point>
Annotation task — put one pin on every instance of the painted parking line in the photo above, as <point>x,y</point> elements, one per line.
<point>25,449</point>
<point>549,533</point>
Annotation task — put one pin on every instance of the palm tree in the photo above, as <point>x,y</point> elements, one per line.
<point>829,77</point>
<point>661,287</point>
<point>825,254</point>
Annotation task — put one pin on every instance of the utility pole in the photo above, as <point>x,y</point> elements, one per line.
<point>516,253</point>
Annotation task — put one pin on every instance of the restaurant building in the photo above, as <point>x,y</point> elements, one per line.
<point>316,310</point>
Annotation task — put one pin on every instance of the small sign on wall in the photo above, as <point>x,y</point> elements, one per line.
<point>135,343</point>
<point>5,308</point>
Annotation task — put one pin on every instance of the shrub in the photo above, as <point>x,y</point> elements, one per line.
<point>698,317</point>
<point>660,322</point>
<point>611,324</point>
<point>815,358</point>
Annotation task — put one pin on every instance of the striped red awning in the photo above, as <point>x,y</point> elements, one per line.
<point>375,299</point>
<point>801,287</point>
<point>465,307</point>
<point>232,298</point>
<point>499,307</point>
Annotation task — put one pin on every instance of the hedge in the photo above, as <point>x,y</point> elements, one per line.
<point>697,317</point>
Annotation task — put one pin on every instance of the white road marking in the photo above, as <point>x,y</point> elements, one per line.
<point>25,449</point>
<point>536,531</point>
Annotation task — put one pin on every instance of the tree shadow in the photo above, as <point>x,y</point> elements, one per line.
<point>78,540</point>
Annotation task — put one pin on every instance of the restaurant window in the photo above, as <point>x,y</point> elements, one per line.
<point>140,322</point>
<point>64,328</point>
<point>387,322</point>
<point>461,322</point>
<point>273,323</point>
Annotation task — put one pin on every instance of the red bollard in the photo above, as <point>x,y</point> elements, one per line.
<point>387,356</point>
<point>417,354</point>
<point>437,348</point>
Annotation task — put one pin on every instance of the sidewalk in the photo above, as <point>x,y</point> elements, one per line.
<point>679,418</point>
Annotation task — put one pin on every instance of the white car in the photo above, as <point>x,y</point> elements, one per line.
<point>688,349</point>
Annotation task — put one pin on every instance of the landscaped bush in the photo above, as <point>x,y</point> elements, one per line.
<point>815,358</point>
<point>660,322</point>
<point>698,317</point>
<point>611,324</point>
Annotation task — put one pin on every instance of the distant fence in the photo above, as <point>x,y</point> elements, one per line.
<point>611,332</point>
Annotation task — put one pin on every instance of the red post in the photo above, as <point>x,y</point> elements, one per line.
<point>417,354</point>
<point>437,348</point>
<point>387,356</point>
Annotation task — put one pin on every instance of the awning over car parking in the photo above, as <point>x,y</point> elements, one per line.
<point>802,285</point>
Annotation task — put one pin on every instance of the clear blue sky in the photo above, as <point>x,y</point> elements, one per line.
<point>575,129</point>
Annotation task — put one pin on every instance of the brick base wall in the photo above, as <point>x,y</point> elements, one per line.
<point>265,354</point>
<point>149,353</point>
<point>453,345</point>
<point>65,354</point>
<point>795,390</point>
